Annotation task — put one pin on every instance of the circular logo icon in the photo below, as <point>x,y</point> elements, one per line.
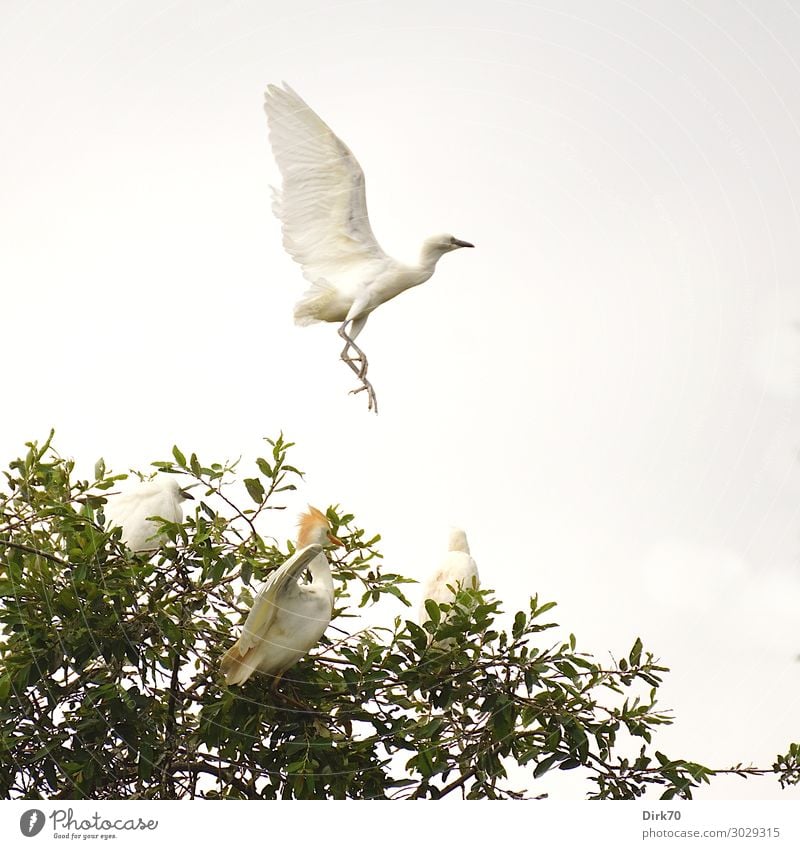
<point>31,822</point>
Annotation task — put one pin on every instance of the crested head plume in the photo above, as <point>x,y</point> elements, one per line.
<point>312,527</point>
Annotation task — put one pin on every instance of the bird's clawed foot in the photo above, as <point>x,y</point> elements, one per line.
<point>372,402</point>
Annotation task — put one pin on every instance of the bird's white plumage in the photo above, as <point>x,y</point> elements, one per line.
<point>289,614</point>
<point>134,511</point>
<point>278,594</point>
<point>457,570</point>
<point>323,208</point>
<point>287,619</point>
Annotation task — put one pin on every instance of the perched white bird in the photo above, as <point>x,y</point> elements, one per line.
<point>457,570</point>
<point>323,208</point>
<point>289,615</point>
<point>138,511</point>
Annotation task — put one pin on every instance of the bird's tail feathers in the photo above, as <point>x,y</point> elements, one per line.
<point>315,304</point>
<point>233,666</point>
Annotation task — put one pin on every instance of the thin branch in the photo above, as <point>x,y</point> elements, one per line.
<point>31,550</point>
<point>459,782</point>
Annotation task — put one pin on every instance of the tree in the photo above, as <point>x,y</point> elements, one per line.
<point>110,685</point>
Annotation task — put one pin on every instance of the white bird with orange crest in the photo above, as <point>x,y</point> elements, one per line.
<point>323,207</point>
<point>290,614</point>
<point>457,571</point>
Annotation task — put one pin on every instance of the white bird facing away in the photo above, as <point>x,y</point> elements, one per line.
<point>457,570</point>
<point>326,229</point>
<point>138,512</point>
<point>289,615</point>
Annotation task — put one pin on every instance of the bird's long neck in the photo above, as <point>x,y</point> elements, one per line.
<point>458,541</point>
<point>321,572</point>
<point>429,256</point>
<point>319,567</point>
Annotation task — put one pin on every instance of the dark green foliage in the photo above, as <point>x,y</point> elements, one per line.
<point>110,685</point>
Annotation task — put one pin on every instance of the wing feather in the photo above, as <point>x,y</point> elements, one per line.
<point>322,204</point>
<point>267,602</point>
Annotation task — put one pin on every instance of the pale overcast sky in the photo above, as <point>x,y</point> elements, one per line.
<point>604,393</point>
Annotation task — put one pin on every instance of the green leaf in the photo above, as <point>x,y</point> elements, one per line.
<point>397,593</point>
<point>543,766</point>
<point>544,608</point>
<point>636,653</point>
<point>255,489</point>
<point>178,455</point>
<point>434,613</point>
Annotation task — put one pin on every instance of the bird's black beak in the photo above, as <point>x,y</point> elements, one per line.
<point>458,243</point>
<point>185,491</point>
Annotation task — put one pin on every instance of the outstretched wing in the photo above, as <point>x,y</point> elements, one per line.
<point>322,204</point>
<point>268,602</point>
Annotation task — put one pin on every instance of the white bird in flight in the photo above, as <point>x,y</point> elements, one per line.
<point>457,570</point>
<point>138,511</point>
<point>289,615</point>
<point>326,229</point>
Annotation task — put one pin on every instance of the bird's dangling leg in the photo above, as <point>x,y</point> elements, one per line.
<point>361,373</point>
<point>358,364</point>
<point>349,340</point>
<point>360,357</point>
